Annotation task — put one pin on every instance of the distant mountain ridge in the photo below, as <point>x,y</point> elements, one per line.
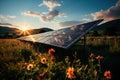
<point>7,32</point>
<point>4,30</point>
<point>112,27</point>
<point>113,23</point>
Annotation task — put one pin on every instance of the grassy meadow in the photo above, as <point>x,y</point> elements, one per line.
<point>23,61</point>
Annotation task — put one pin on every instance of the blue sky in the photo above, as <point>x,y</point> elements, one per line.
<point>56,14</point>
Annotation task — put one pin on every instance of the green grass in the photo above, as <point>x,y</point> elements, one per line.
<point>101,45</point>
<point>15,55</point>
<point>10,47</point>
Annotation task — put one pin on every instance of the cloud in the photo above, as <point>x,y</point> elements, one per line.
<point>87,19</point>
<point>5,24</point>
<point>50,4</point>
<point>2,17</point>
<point>11,17</point>
<point>31,13</point>
<point>52,14</point>
<point>6,17</point>
<point>110,14</point>
<point>46,17</point>
<point>69,23</point>
<point>8,25</point>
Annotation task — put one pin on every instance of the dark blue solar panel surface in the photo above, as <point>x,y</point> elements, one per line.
<point>63,38</point>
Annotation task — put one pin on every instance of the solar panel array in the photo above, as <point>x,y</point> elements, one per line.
<point>63,38</point>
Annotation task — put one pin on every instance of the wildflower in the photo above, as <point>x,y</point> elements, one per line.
<point>99,57</point>
<point>107,74</point>
<point>70,72</point>
<point>30,66</point>
<point>92,55</point>
<point>43,60</point>
<point>51,51</point>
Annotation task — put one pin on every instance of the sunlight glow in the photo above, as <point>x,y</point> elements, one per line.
<point>24,29</point>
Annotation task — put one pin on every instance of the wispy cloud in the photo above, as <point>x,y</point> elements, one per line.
<point>5,24</point>
<point>6,17</point>
<point>9,25</point>
<point>46,17</point>
<point>109,14</point>
<point>31,13</point>
<point>50,4</point>
<point>11,17</point>
<point>86,19</point>
<point>68,23</point>
<point>2,17</point>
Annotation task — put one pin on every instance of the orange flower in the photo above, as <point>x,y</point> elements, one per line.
<point>51,51</point>
<point>107,74</point>
<point>43,60</point>
<point>99,57</point>
<point>30,66</point>
<point>70,73</point>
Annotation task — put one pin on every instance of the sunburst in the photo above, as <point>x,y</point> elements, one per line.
<point>24,31</point>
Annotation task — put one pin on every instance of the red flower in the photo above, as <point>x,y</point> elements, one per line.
<point>51,51</point>
<point>107,74</point>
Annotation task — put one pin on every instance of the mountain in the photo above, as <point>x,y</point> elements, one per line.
<point>41,30</point>
<point>7,32</point>
<point>109,28</point>
<point>113,23</point>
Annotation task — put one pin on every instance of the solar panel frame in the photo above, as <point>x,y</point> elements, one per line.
<point>61,34</point>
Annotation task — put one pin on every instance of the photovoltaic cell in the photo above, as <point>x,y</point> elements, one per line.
<point>63,38</point>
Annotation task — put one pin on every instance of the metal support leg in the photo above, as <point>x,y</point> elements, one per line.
<point>84,43</point>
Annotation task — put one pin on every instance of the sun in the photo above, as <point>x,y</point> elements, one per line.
<point>24,29</point>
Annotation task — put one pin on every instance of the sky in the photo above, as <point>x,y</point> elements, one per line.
<point>56,14</point>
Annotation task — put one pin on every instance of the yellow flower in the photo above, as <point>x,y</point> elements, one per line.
<point>107,74</point>
<point>70,73</point>
<point>30,66</point>
<point>43,60</point>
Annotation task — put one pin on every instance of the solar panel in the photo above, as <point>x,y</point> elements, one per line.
<point>63,38</point>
